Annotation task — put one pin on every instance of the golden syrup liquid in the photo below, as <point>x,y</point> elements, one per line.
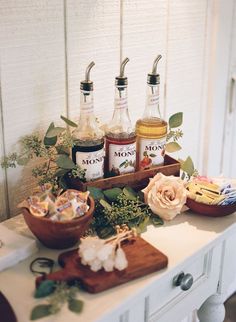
<point>151,128</point>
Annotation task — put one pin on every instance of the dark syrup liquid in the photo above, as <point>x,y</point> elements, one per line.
<point>86,146</point>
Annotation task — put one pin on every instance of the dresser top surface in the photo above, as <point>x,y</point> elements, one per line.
<point>182,239</point>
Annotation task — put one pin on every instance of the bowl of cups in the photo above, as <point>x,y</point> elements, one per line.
<point>58,222</point>
<point>214,197</point>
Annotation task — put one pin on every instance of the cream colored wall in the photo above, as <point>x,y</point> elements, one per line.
<point>45,46</point>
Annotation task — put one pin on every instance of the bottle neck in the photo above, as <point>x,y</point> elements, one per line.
<point>86,103</point>
<point>120,124</point>
<point>152,109</point>
<point>121,99</point>
<point>88,128</point>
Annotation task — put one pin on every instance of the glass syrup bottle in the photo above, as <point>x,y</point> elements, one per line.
<point>120,135</point>
<point>88,151</point>
<point>151,130</point>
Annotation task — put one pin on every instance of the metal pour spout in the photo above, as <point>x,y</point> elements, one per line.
<point>87,72</point>
<point>154,68</point>
<point>122,67</point>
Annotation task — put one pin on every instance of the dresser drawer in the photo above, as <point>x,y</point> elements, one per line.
<point>167,297</point>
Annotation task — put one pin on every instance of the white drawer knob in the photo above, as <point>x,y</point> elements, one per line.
<point>185,281</point>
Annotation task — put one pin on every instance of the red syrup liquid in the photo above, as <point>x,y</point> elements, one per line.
<point>118,140</point>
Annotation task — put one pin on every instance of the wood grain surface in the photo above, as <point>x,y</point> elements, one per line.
<point>142,258</point>
<point>136,180</point>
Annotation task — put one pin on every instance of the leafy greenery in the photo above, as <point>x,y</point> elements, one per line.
<point>40,311</point>
<point>60,293</point>
<point>45,288</point>
<point>120,206</point>
<point>175,121</point>
<point>188,169</point>
<point>53,150</point>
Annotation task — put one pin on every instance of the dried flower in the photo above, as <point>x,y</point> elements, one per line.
<point>108,254</point>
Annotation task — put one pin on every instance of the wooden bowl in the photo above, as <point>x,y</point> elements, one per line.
<point>210,210</point>
<point>58,234</point>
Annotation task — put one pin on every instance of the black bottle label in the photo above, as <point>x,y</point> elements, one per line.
<point>91,161</point>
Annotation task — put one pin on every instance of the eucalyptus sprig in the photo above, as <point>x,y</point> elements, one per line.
<point>188,169</point>
<point>174,134</point>
<point>53,150</point>
<point>118,206</point>
<point>57,294</point>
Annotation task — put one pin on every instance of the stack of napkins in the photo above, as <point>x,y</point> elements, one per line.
<point>14,247</point>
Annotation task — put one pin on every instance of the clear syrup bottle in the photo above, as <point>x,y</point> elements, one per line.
<point>151,130</point>
<point>120,134</point>
<point>88,150</point>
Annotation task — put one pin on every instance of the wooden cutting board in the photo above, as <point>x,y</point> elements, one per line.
<point>142,258</point>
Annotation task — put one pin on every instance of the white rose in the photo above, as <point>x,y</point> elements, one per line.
<point>165,195</point>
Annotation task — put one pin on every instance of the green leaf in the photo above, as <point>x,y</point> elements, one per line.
<point>105,204</point>
<point>54,132</point>
<point>61,149</point>
<point>172,147</point>
<point>45,288</point>
<point>63,183</point>
<point>143,225</point>
<point>61,173</point>
<point>183,175</point>
<point>152,155</point>
<point>50,141</point>
<point>64,162</point>
<point>130,193</point>
<point>68,122</point>
<point>122,164</point>
<point>145,154</point>
<point>112,194</point>
<point>105,232</point>
<point>156,220</point>
<point>40,311</point>
<point>176,120</point>
<point>75,305</point>
<point>141,195</point>
<point>188,166</point>
<point>96,193</point>
<point>23,161</point>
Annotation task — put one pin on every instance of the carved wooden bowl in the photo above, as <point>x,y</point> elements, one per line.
<point>58,234</point>
<point>210,210</point>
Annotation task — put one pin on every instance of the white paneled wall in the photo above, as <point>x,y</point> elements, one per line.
<point>45,46</point>
<point>185,75</point>
<point>144,37</point>
<point>93,33</point>
<point>3,195</point>
<point>229,147</point>
<point>32,53</point>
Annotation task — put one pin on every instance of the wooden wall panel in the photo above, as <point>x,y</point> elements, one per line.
<point>33,76</point>
<point>185,69</point>
<point>144,37</point>
<point>93,35</point>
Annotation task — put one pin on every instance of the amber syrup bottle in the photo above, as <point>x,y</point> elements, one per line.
<point>120,135</point>
<point>151,130</point>
<point>88,151</point>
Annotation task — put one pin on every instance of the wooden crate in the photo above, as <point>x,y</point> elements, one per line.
<point>136,180</point>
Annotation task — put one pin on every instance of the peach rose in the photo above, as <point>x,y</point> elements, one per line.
<point>165,195</point>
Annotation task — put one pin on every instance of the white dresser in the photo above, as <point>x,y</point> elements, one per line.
<point>201,246</point>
